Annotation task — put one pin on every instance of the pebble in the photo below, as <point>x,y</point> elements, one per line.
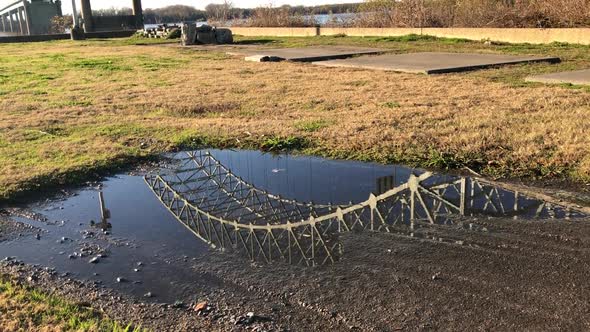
<point>121,279</point>
<point>38,237</point>
<point>148,294</point>
<point>94,260</point>
<point>178,304</point>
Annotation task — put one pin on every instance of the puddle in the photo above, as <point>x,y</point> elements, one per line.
<point>267,207</point>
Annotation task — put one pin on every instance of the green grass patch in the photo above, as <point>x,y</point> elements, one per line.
<point>411,38</point>
<point>104,64</point>
<point>312,125</point>
<point>158,63</point>
<point>29,309</point>
<point>392,104</point>
<point>276,144</point>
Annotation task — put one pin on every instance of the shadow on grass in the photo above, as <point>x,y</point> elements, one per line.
<point>255,41</point>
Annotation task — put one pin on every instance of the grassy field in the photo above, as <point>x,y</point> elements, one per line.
<point>26,309</point>
<point>70,111</point>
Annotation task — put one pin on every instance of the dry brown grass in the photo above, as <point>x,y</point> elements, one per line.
<point>90,116</point>
<point>475,13</point>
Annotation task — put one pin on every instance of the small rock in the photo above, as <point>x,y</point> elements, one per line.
<point>38,237</point>
<point>94,260</point>
<point>178,304</point>
<point>148,294</point>
<point>72,256</point>
<point>201,306</point>
<point>121,279</point>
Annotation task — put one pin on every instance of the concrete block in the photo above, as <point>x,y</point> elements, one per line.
<point>263,58</point>
<point>224,36</point>
<point>188,34</point>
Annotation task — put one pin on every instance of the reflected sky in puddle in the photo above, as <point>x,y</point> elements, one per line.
<point>229,190</point>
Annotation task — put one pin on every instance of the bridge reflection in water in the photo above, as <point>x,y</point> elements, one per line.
<point>229,213</point>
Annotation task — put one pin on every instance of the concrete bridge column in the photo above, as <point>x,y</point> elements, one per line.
<point>21,23</point>
<point>3,19</point>
<point>87,16</point>
<point>27,17</point>
<point>12,21</point>
<point>138,12</point>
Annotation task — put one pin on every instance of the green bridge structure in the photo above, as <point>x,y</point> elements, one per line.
<point>28,17</point>
<point>34,17</point>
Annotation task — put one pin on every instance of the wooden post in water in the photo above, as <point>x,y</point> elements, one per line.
<point>105,214</point>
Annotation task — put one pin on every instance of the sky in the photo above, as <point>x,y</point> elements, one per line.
<point>200,4</point>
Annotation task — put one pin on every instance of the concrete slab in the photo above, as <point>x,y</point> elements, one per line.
<point>579,77</point>
<point>433,62</point>
<point>307,54</point>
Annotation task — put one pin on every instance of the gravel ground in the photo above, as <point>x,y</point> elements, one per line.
<point>10,230</point>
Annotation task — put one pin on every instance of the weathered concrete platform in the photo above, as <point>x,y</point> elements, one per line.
<point>433,63</point>
<point>579,77</point>
<point>305,54</point>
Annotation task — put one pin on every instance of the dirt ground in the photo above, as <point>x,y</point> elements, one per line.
<point>509,275</point>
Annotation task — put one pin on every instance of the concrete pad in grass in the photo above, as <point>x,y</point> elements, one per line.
<point>305,54</point>
<point>434,62</point>
<point>579,77</point>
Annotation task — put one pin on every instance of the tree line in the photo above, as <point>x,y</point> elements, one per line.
<point>388,13</point>
<point>219,12</point>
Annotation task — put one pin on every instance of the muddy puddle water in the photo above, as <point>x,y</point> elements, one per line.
<point>271,207</point>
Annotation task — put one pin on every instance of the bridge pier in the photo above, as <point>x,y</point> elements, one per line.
<point>138,13</point>
<point>27,17</point>
<point>12,21</point>
<point>87,15</point>
<point>21,26</point>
